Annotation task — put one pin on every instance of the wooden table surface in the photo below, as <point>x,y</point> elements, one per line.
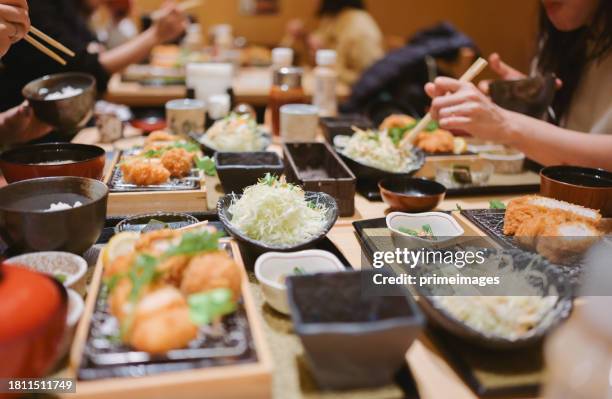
<point>434,375</point>
<point>251,85</point>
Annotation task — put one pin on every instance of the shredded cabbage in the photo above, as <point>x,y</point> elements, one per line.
<point>238,133</point>
<point>277,213</point>
<point>378,150</point>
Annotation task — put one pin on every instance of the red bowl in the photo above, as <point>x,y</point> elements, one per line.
<point>53,159</point>
<point>33,309</point>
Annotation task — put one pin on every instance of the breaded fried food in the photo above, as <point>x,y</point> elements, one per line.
<point>209,271</point>
<point>158,241</point>
<point>160,135</point>
<point>561,243</point>
<point>436,141</point>
<point>178,161</point>
<point>396,120</point>
<point>144,172</point>
<point>120,265</point>
<point>161,322</point>
<point>528,207</point>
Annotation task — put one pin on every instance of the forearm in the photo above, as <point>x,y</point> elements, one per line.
<point>551,145</point>
<point>131,52</point>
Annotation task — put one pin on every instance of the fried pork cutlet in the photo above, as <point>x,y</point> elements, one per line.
<point>178,161</point>
<point>562,243</point>
<point>523,209</point>
<point>144,172</point>
<point>396,120</point>
<point>435,142</point>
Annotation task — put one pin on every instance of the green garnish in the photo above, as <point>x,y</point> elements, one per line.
<point>459,207</point>
<point>432,126</point>
<point>192,243</point>
<point>206,307</point>
<point>426,232</point>
<point>207,165</point>
<point>427,229</point>
<point>187,146</point>
<point>408,231</point>
<point>396,134</point>
<point>61,277</point>
<point>153,225</point>
<point>153,154</point>
<point>298,271</point>
<point>113,280</point>
<point>142,274</point>
<point>496,204</point>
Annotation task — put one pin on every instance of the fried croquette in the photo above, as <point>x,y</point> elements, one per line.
<point>396,120</point>
<point>177,161</point>
<point>158,241</point>
<point>120,265</point>
<point>160,135</point>
<point>436,141</point>
<point>161,322</point>
<point>144,172</point>
<point>209,271</point>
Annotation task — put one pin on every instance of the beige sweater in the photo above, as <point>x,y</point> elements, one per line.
<point>356,38</point>
<point>591,108</point>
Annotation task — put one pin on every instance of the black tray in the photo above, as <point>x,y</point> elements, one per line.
<point>105,356</point>
<point>491,222</point>
<point>472,363</point>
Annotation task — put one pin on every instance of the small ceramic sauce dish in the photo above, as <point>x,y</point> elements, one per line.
<point>272,268</point>
<point>444,228</point>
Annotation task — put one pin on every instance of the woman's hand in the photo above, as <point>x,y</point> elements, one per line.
<point>170,23</point>
<point>461,106</point>
<point>19,125</point>
<point>14,23</point>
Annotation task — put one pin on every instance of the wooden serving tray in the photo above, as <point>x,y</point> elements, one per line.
<point>130,203</point>
<point>245,380</point>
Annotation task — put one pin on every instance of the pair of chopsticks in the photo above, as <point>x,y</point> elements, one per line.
<point>183,7</point>
<point>468,76</point>
<point>51,41</point>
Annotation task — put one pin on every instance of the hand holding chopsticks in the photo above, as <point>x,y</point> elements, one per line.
<point>36,32</point>
<point>468,76</point>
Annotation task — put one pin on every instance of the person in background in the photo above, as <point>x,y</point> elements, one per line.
<point>346,27</point>
<point>17,124</point>
<point>113,24</point>
<point>66,21</point>
<point>576,45</point>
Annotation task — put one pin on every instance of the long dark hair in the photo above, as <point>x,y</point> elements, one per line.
<point>333,7</point>
<point>567,54</point>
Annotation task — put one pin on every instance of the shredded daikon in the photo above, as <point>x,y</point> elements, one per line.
<point>277,213</point>
<point>235,133</point>
<point>378,150</point>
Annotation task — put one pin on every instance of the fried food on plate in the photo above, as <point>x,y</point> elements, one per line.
<point>436,141</point>
<point>161,135</point>
<point>396,120</point>
<point>562,243</point>
<point>178,162</point>
<point>144,172</point>
<point>209,271</point>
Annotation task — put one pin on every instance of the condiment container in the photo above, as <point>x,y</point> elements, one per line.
<point>352,337</point>
<point>325,81</point>
<point>316,167</point>
<point>281,57</point>
<point>299,122</point>
<point>286,89</point>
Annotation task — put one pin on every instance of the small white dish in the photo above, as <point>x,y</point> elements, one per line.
<point>271,268</point>
<point>444,227</point>
<point>76,306</point>
<point>72,267</point>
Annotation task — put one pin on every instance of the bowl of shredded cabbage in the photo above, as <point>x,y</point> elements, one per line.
<point>532,299</point>
<point>235,133</point>
<point>373,155</point>
<point>274,215</point>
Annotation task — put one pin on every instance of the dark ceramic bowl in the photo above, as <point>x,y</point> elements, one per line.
<point>65,114</point>
<point>537,275</point>
<point>238,170</point>
<point>209,149</point>
<point>411,195</point>
<point>369,175</point>
<point>591,188</point>
<point>342,125</point>
<point>352,339</point>
<point>143,223</point>
<point>36,305</point>
<point>530,96</point>
<point>251,249</point>
<point>25,226</point>
<point>53,159</point>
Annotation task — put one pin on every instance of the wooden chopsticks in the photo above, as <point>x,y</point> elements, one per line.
<point>183,7</point>
<point>51,41</point>
<point>468,76</point>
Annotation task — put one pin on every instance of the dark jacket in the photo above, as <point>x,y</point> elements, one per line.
<point>62,20</point>
<point>395,83</point>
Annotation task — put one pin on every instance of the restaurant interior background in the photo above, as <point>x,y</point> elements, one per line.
<point>494,25</point>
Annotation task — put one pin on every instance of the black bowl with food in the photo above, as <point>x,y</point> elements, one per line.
<point>147,222</point>
<point>52,214</point>
<point>368,175</point>
<point>533,298</point>
<point>410,194</point>
<point>53,159</point>
<point>64,100</point>
<point>251,248</point>
<point>530,96</point>
<point>238,170</point>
